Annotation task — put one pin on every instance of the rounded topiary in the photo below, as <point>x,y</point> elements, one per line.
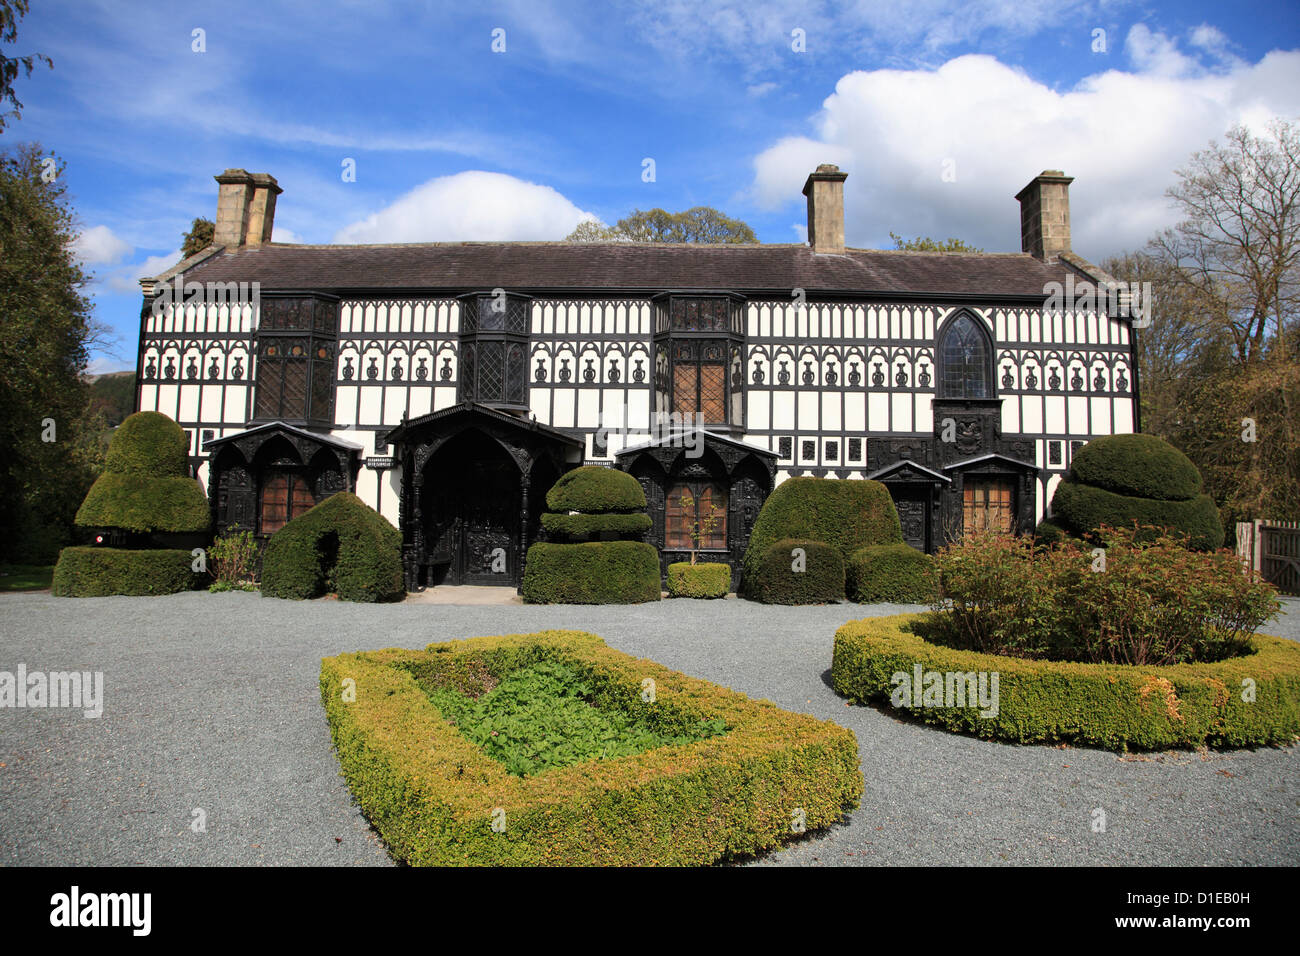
<point>895,573</point>
<point>846,514</point>
<point>703,580</point>
<point>593,572</point>
<point>145,486</point>
<point>1123,480</point>
<point>785,576</point>
<point>580,527</point>
<point>593,489</point>
<point>1142,466</point>
<point>98,572</point>
<point>341,544</point>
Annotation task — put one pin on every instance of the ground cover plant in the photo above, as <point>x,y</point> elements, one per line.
<point>670,770</point>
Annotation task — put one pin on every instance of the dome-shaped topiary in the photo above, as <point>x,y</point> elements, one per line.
<point>145,486</point>
<point>1143,466</point>
<point>592,489</point>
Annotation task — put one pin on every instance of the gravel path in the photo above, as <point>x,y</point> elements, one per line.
<point>211,702</point>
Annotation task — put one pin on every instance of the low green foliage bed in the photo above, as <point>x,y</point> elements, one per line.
<point>1241,701</point>
<point>607,760</point>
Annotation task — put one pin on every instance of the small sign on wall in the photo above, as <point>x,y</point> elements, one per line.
<point>381,463</point>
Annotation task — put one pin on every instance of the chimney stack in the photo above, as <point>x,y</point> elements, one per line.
<point>825,192</point>
<point>1045,214</point>
<point>245,208</point>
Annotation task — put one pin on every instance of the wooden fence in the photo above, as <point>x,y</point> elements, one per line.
<point>1273,549</point>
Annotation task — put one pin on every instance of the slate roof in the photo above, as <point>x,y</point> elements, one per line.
<point>541,267</point>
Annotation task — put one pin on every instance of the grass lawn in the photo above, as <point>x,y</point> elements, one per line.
<point>25,577</point>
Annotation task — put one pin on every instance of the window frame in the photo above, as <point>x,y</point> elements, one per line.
<point>942,390</point>
<point>684,343</point>
<point>697,488</point>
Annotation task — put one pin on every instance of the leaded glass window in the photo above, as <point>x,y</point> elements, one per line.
<point>967,361</point>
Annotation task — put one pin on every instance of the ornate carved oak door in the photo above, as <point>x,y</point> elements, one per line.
<point>914,516</point>
<point>472,515</point>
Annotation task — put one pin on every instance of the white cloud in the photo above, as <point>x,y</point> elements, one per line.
<point>470,206</point>
<point>281,233</point>
<point>1120,134</point>
<point>98,245</point>
<point>760,89</point>
<point>127,278</point>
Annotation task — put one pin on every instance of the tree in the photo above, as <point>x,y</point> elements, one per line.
<point>198,238</point>
<point>11,11</point>
<point>702,224</point>
<point>926,244</point>
<point>46,332</point>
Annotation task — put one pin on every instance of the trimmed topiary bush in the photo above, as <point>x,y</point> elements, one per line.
<point>593,572</point>
<point>145,486</point>
<point>845,514</point>
<point>704,580</point>
<point>98,572</point>
<point>341,544</point>
<point>583,527</point>
<point>785,577</point>
<point>1116,706</point>
<point>592,489</point>
<point>1123,480</point>
<point>894,573</point>
<point>439,799</point>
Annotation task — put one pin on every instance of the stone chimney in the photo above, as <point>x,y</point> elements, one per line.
<point>825,192</point>
<point>1045,214</point>
<point>245,208</point>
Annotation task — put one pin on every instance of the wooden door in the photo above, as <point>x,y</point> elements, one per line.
<point>988,504</point>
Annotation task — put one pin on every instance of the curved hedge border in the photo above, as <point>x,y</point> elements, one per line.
<point>594,572</point>
<point>433,795</point>
<point>711,580</point>
<point>821,581</point>
<point>594,526</point>
<point>367,566</point>
<point>99,572</point>
<point>593,488</point>
<point>896,573</point>
<point>1104,705</point>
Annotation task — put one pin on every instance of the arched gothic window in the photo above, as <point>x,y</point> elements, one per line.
<point>967,358</point>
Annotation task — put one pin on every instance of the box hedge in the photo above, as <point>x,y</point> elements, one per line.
<point>146,486</point>
<point>593,572</point>
<point>1238,702</point>
<point>704,580</point>
<point>593,489</point>
<point>98,572</point>
<point>896,573</point>
<point>846,514</point>
<point>784,577</point>
<point>341,544</point>
<point>438,800</point>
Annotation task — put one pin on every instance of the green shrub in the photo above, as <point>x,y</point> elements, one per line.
<point>784,577</point>
<point>704,580</point>
<point>1141,466</point>
<point>896,573</point>
<point>1135,602</point>
<point>98,572</point>
<point>847,515</point>
<point>581,527</point>
<point>148,443</point>
<point>140,503</point>
<point>232,561</point>
<point>433,794</point>
<point>1082,509</point>
<point>341,544</point>
<point>146,484</point>
<point>1103,705</point>
<point>593,489</point>
<point>594,572</point>
<point>1049,533</point>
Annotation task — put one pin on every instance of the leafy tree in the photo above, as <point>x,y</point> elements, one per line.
<point>703,224</point>
<point>198,238</point>
<point>46,332</point>
<point>926,244</point>
<point>11,11</point>
<point>114,396</point>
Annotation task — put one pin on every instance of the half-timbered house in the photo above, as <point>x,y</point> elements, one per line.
<point>450,384</point>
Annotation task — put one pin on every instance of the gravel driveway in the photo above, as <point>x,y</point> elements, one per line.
<point>212,704</point>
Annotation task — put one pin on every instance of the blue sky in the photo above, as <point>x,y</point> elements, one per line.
<point>939,111</point>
